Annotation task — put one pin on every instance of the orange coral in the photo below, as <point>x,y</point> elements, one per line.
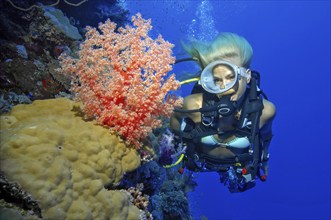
<point>122,78</point>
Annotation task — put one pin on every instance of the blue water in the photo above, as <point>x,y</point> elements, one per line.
<point>291,42</point>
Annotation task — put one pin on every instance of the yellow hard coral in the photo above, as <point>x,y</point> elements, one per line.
<point>64,161</point>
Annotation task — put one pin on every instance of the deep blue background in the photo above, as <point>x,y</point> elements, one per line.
<point>291,42</point>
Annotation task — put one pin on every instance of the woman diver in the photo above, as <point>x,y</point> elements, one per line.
<point>225,117</point>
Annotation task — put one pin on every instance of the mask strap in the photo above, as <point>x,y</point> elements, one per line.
<point>242,72</point>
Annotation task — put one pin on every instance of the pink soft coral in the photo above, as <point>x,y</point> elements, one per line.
<point>122,78</point>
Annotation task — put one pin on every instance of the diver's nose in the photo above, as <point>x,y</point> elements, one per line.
<point>224,83</point>
<point>221,84</point>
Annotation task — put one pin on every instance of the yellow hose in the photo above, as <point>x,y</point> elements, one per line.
<point>176,163</point>
<point>190,80</point>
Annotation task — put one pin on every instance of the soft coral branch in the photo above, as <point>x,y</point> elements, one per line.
<point>122,78</point>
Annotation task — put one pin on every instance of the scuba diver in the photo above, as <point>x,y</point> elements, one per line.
<point>225,124</point>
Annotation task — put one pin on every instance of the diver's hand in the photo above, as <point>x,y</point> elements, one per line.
<point>265,170</point>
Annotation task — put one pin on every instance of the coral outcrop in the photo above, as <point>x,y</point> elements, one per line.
<point>64,162</point>
<point>122,79</point>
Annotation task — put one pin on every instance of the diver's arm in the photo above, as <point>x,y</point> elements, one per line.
<point>190,102</point>
<point>266,119</point>
<point>268,113</point>
<point>175,121</point>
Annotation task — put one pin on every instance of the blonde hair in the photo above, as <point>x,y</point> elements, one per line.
<point>226,46</point>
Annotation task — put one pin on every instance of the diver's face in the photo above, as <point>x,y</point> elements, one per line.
<point>223,76</point>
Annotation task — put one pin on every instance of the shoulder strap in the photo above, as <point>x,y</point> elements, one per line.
<point>253,110</point>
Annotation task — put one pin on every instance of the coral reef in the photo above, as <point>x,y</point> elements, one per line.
<point>140,200</point>
<point>166,188</point>
<point>30,44</point>
<point>171,150</point>
<point>98,11</point>
<point>64,162</point>
<point>122,78</point>
<point>16,195</point>
<point>61,24</point>
<point>151,175</point>
<point>170,201</point>
<point>12,99</point>
<point>57,165</point>
<point>10,212</point>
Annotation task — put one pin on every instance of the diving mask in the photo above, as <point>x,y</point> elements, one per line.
<point>207,77</point>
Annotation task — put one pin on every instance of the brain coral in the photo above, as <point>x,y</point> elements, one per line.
<point>64,161</point>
